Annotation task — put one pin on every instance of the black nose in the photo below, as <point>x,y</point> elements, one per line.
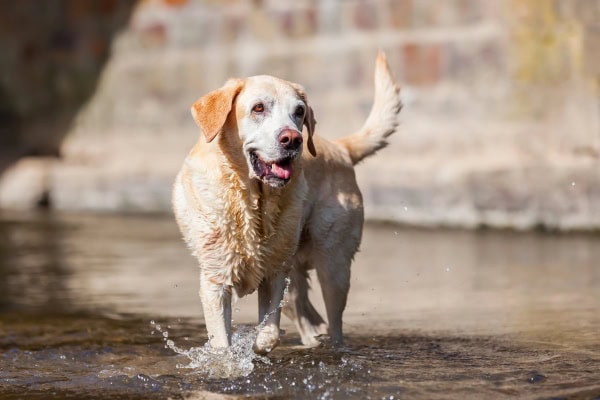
<point>290,139</point>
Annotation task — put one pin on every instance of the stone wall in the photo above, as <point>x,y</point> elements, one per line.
<point>52,54</point>
<point>501,124</point>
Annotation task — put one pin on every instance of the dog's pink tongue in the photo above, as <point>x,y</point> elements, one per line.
<point>282,172</point>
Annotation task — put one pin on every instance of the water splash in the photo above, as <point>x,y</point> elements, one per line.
<point>281,304</point>
<point>218,362</point>
<point>215,362</point>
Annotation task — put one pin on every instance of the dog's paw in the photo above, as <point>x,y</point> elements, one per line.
<point>266,340</point>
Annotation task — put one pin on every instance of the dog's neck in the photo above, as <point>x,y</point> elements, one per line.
<point>230,146</point>
<point>255,198</point>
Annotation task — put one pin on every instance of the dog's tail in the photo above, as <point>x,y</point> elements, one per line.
<point>383,118</point>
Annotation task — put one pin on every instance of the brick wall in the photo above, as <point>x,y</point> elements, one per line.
<point>501,124</point>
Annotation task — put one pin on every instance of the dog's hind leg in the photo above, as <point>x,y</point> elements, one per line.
<point>300,310</point>
<point>334,276</point>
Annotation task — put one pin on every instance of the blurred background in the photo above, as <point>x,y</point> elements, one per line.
<point>501,125</point>
<point>500,128</point>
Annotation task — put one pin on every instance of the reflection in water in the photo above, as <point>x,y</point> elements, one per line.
<point>431,314</point>
<point>31,264</point>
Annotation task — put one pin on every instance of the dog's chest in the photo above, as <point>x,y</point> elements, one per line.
<point>243,235</point>
<point>268,238</point>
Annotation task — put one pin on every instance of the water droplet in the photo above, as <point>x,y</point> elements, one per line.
<point>447,269</point>
<point>396,233</point>
<point>166,334</point>
<point>572,183</point>
<point>152,322</point>
<point>236,309</point>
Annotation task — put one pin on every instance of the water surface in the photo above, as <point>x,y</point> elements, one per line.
<point>432,314</point>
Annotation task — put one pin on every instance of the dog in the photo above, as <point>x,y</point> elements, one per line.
<point>257,202</point>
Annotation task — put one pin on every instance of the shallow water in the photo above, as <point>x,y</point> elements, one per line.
<point>431,314</point>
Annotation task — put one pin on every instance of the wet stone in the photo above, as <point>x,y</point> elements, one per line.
<point>536,378</point>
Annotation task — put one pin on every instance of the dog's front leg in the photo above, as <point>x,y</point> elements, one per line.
<point>270,294</point>
<point>216,303</point>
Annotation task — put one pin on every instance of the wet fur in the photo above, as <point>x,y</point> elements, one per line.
<point>248,235</point>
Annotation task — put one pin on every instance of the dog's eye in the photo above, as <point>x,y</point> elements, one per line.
<point>258,108</point>
<point>299,112</point>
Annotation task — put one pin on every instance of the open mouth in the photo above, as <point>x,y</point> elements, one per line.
<point>276,173</point>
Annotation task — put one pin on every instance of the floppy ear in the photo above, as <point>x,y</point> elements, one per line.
<point>210,111</point>
<point>310,122</point>
<point>309,119</point>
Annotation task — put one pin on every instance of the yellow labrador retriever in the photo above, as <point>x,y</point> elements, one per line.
<point>257,202</point>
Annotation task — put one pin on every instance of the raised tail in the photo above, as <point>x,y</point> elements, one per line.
<point>383,118</point>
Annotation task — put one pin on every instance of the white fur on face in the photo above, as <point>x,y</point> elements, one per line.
<point>259,131</point>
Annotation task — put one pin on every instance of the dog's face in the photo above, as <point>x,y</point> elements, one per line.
<point>269,117</point>
<point>270,114</point>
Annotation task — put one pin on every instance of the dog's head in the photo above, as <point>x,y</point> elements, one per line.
<point>268,115</point>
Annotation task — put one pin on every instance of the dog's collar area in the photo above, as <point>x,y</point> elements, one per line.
<point>275,173</point>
